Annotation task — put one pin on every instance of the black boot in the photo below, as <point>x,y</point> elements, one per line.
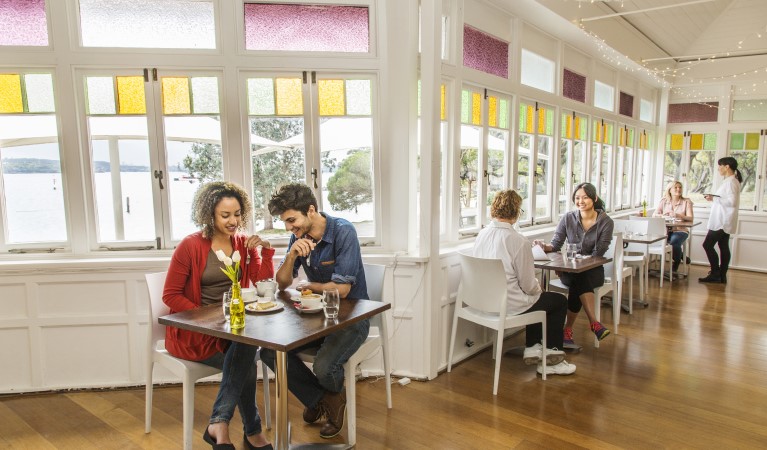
<point>713,277</point>
<point>723,276</point>
<point>675,266</point>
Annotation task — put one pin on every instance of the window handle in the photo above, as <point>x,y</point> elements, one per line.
<point>158,174</point>
<point>487,175</point>
<point>314,178</point>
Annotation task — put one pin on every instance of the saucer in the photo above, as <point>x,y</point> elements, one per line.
<point>307,310</point>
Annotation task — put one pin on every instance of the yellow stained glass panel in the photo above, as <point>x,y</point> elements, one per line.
<point>10,93</point>
<point>331,97</point>
<point>569,127</point>
<point>131,98</point>
<point>175,95</point>
<point>677,141</point>
<point>492,111</point>
<point>622,136</point>
<point>577,127</point>
<point>289,98</point>
<point>529,119</point>
<point>476,108</point>
<point>696,142</point>
<point>541,121</point>
<point>442,100</point>
<point>643,141</point>
<point>752,141</point>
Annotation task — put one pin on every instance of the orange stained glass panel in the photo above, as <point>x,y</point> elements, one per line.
<point>131,98</point>
<point>331,97</point>
<point>476,108</point>
<point>175,95</point>
<point>289,98</point>
<point>492,111</point>
<point>11,100</point>
<point>677,141</point>
<point>442,100</point>
<point>696,142</point>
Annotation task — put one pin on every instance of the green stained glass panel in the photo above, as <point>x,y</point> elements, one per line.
<point>608,133</point>
<point>101,95</point>
<point>205,95</point>
<point>736,141</point>
<point>464,106</point>
<point>358,98</point>
<point>630,141</point>
<point>11,100</point>
<point>549,122</point>
<point>39,88</point>
<point>709,141</point>
<point>289,97</point>
<point>261,96</point>
<point>752,141</point>
<point>503,113</point>
<point>331,97</point>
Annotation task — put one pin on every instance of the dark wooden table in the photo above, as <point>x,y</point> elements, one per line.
<point>644,238</point>
<point>559,263</point>
<point>281,331</point>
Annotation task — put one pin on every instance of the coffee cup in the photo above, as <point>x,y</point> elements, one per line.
<point>262,286</point>
<point>313,301</point>
<point>248,294</point>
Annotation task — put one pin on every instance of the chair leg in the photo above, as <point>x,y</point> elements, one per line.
<point>387,368</point>
<point>598,311</point>
<point>662,266</point>
<point>188,408</point>
<point>148,398</point>
<point>267,397</point>
<point>497,355</point>
<point>351,404</point>
<point>452,340</point>
<point>617,300</point>
<point>544,349</point>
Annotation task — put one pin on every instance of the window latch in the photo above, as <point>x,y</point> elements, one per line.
<point>158,174</point>
<point>487,175</point>
<point>314,178</point>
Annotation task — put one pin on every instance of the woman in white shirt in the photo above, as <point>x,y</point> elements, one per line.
<point>723,220</point>
<point>500,240</point>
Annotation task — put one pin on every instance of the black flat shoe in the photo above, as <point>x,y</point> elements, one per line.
<point>253,447</point>
<point>209,439</point>
<point>712,277</point>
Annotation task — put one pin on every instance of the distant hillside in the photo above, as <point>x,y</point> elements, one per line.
<point>35,165</point>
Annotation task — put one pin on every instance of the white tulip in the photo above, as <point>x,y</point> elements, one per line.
<point>227,261</point>
<point>220,255</point>
<point>236,256</point>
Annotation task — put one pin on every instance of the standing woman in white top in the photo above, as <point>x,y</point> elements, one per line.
<point>723,220</point>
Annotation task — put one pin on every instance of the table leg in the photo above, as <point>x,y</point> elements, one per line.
<point>281,436</point>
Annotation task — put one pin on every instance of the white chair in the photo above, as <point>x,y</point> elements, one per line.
<point>483,291</point>
<point>657,226</point>
<point>374,277</point>
<point>188,371</point>
<point>615,273</point>
<point>634,254</point>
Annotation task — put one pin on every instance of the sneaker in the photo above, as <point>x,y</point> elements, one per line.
<point>568,341</point>
<point>563,368</point>
<point>334,406</point>
<point>599,330</point>
<point>533,355</point>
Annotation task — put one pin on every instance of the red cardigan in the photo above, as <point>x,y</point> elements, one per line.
<point>183,291</point>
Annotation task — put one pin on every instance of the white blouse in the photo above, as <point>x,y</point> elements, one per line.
<point>724,211</point>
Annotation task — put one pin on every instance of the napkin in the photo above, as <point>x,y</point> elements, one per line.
<point>539,254</point>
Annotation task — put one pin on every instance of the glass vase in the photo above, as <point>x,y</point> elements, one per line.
<point>237,308</point>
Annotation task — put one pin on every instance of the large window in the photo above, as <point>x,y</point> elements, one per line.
<point>748,149</point>
<point>537,71</point>
<point>691,159</point>
<point>602,159</point>
<point>642,162</point>
<point>535,161</point>
<point>573,147</point>
<point>624,168</point>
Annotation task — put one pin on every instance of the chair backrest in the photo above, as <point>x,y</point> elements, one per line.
<point>655,225</point>
<point>155,282</point>
<point>635,226</point>
<point>374,277</point>
<point>614,269</point>
<point>483,284</point>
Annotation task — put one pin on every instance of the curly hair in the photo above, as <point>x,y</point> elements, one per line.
<point>207,198</point>
<point>506,205</point>
<point>296,196</point>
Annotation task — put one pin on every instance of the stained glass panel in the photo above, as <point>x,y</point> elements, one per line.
<point>752,141</point>
<point>39,89</point>
<point>492,111</point>
<point>10,94</point>
<point>308,28</point>
<point>574,86</point>
<point>289,98</point>
<point>331,97</point>
<point>709,141</point>
<point>442,100</point>
<point>175,96</point>
<point>101,95</point>
<point>566,125</point>
<point>485,53</point>
<point>358,98</point>
<point>608,133</point>
<point>464,106</point>
<point>24,23</point>
<point>736,141</point>
<point>504,114</point>
<point>205,95</point>
<point>261,96</point>
<point>676,142</point>
<point>130,95</point>
<point>696,141</point>
<point>630,141</point>
<point>476,108</point>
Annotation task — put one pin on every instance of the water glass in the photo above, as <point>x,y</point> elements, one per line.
<point>572,251</point>
<point>227,300</point>
<point>332,303</point>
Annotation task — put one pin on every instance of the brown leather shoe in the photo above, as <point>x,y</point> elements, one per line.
<point>335,410</point>
<point>312,415</point>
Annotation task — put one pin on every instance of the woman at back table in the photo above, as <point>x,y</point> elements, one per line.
<point>591,227</point>
<point>673,205</point>
<point>195,279</point>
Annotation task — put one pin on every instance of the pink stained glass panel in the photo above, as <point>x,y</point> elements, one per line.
<point>626,104</point>
<point>485,53</point>
<point>574,86</point>
<point>306,28</point>
<point>24,23</point>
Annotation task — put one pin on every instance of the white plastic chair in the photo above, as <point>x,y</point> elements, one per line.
<point>634,254</point>
<point>615,273</point>
<point>188,371</point>
<point>374,277</point>
<point>657,226</point>
<point>483,290</point>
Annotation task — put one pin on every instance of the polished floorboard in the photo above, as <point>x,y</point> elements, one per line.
<point>687,372</point>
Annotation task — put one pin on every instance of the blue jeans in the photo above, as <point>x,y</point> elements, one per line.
<point>238,386</point>
<point>676,239</point>
<point>334,351</point>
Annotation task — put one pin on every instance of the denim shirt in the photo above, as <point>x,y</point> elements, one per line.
<point>336,257</point>
<point>594,241</point>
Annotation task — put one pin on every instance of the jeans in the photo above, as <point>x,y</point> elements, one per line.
<point>334,350</point>
<point>714,237</point>
<point>238,386</point>
<point>555,306</point>
<point>676,239</point>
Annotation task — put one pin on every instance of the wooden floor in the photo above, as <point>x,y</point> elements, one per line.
<point>688,372</point>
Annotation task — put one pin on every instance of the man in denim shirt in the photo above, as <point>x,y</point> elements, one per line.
<point>328,250</point>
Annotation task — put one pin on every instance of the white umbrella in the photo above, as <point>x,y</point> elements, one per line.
<point>470,138</point>
<point>339,134</point>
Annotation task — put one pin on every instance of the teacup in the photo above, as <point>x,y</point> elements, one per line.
<point>313,301</point>
<point>248,294</point>
<point>264,285</point>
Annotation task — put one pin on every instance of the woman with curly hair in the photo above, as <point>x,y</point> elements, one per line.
<point>221,210</point>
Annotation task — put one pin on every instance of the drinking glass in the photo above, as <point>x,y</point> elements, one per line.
<point>227,300</point>
<point>572,251</point>
<point>332,303</point>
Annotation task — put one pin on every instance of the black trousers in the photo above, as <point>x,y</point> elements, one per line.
<point>580,283</point>
<point>555,306</point>
<point>720,262</point>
